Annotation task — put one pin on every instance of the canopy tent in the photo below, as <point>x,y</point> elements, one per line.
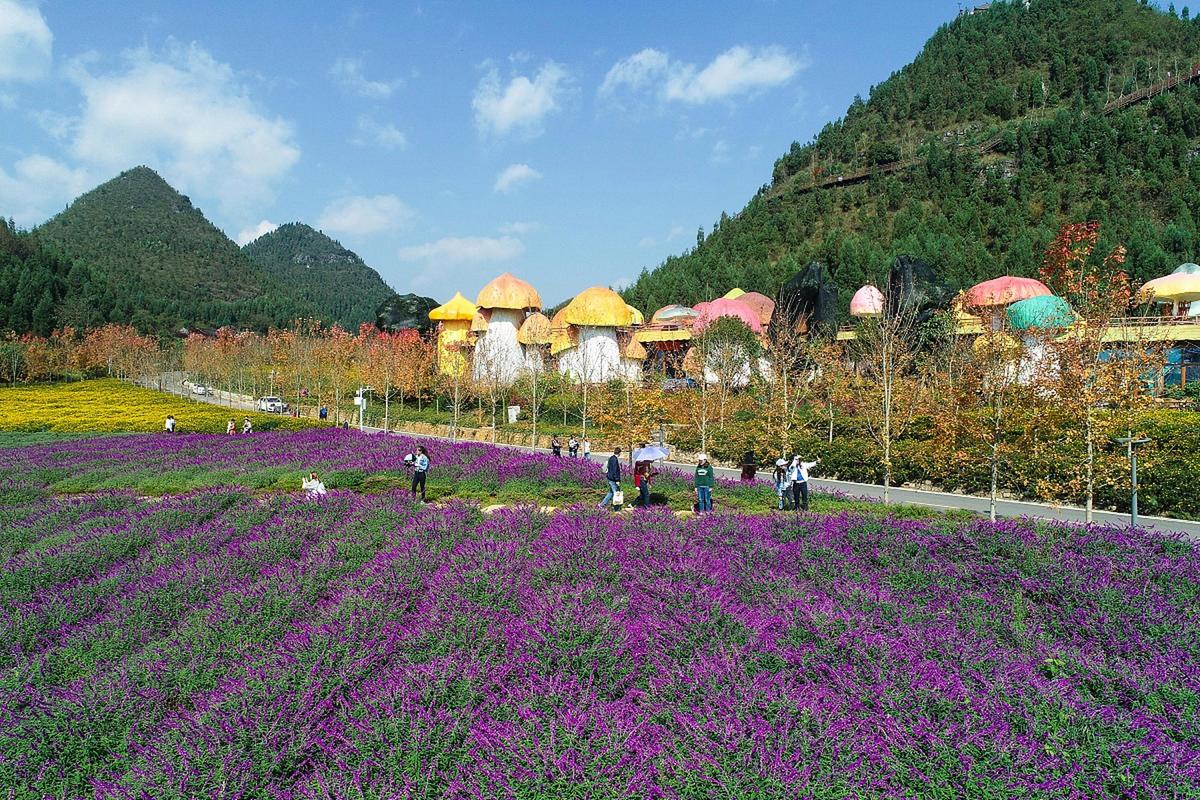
<point>1178,287</point>
<point>1190,269</point>
<point>1043,311</point>
<point>1004,291</point>
<point>727,308</point>
<point>866,302</point>
<point>677,314</point>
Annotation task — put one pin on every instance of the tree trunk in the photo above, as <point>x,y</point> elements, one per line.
<point>1090,463</point>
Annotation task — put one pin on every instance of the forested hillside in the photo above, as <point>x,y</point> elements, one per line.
<point>39,292</point>
<point>1038,78</point>
<point>158,263</point>
<point>331,278</point>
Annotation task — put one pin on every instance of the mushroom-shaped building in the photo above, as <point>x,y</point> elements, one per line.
<point>760,304</point>
<point>455,316</point>
<point>866,302</point>
<point>723,307</point>
<point>498,355</point>
<point>535,335</point>
<point>1004,291</point>
<point>595,314</point>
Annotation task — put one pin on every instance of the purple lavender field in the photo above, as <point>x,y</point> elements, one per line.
<point>237,643</point>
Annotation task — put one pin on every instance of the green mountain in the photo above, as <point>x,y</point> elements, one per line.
<point>1010,122</point>
<point>155,260</point>
<point>331,278</point>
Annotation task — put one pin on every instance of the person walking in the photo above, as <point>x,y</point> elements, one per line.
<point>782,488</point>
<point>420,470</point>
<point>556,447</point>
<point>705,481</point>
<point>246,426</point>
<point>612,473</point>
<point>798,475</point>
<point>230,427</point>
<point>642,477</point>
<point>169,427</point>
<point>323,414</point>
<point>573,447</point>
<point>587,448</point>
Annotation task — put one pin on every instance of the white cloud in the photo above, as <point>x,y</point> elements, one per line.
<point>521,104</point>
<point>60,126</point>
<point>519,228</point>
<point>464,250</point>
<point>720,152</point>
<point>366,215</point>
<point>739,70</point>
<point>187,115</point>
<point>513,176</point>
<point>26,42</point>
<point>247,235</point>
<point>38,187</point>
<point>349,72</point>
<point>671,235</point>
<point>380,134</point>
<point>642,70</point>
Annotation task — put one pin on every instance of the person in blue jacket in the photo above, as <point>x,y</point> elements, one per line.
<point>612,472</point>
<point>420,470</point>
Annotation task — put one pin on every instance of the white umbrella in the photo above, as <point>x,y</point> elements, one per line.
<point>651,453</point>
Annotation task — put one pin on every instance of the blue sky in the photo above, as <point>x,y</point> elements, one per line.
<point>572,144</point>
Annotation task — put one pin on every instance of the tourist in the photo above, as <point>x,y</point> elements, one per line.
<point>246,426</point>
<point>555,446</point>
<point>587,448</point>
<point>169,427</point>
<point>313,485</point>
<point>421,467</point>
<point>798,476</point>
<point>323,414</point>
<point>782,488</point>
<point>642,478</point>
<point>612,473</point>
<point>749,465</point>
<point>230,427</point>
<point>573,447</point>
<point>705,481</point>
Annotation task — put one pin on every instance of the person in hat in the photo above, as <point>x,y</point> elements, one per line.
<point>705,481</point>
<point>798,475</point>
<point>781,482</point>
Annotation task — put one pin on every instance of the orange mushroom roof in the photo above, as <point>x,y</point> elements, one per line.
<point>535,330</point>
<point>508,291</point>
<point>456,308</point>
<point>479,322</point>
<point>598,307</point>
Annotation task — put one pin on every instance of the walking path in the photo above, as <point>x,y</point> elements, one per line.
<point>945,501</point>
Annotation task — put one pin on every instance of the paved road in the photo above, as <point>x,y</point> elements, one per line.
<point>945,501</point>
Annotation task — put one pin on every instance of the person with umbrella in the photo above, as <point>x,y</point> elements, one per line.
<point>643,469</point>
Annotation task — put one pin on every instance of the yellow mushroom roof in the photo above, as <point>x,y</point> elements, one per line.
<point>598,307</point>
<point>636,317</point>
<point>535,330</point>
<point>733,294</point>
<point>508,291</point>
<point>456,308</point>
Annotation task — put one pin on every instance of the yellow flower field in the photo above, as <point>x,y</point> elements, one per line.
<point>113,406</point>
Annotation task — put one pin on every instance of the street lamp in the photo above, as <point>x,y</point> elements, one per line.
<point>1131,443</point>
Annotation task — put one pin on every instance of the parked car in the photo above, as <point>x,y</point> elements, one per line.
<point>272,405</point>
<point>199,388</point>
<point>678,384</point>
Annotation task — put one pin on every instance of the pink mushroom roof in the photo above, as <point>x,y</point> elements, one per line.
<point>722,307</point>
<point>867,302</point>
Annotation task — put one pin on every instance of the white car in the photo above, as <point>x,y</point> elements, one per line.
<point>272,405</point>
<point>199,388</point>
